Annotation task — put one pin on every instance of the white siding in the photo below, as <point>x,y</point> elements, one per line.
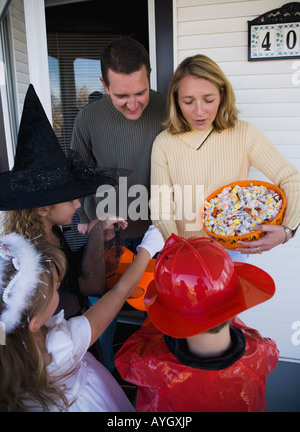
<point>19,51</point>
<point>268,95</point>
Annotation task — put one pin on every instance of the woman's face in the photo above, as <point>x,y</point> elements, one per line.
<point>199,101</point>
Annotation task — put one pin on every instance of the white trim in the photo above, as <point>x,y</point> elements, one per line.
<point>37,51</point>
<point>6,120</point>
<point>5,111</point>
<point>175,24</point>
<point>152,43</point>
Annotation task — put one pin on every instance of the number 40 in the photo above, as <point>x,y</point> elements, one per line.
<point>290,41</point>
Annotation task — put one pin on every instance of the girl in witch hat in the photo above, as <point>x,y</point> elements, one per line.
<point>40,194</point>
<point>44,365</point>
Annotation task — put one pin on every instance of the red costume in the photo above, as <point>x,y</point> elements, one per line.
<point>197,287</point>
<point>234,382</point>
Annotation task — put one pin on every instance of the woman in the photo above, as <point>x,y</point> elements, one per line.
<point>205,147</point>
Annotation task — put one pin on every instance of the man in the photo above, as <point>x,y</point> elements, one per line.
<point>117,131</point>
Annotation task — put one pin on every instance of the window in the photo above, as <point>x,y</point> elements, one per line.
<point>74,66</point>
<point>74,69</point>
<point>87,80</point>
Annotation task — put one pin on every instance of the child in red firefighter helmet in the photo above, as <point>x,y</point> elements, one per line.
<point>193,353</point>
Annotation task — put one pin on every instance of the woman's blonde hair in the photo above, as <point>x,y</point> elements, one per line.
<point>25,383</point>
<point>201,66</point>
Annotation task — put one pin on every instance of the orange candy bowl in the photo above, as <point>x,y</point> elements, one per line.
<point>136,300</point>
<point>230,241</point>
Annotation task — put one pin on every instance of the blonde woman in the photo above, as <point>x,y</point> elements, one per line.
<point>204,147</point>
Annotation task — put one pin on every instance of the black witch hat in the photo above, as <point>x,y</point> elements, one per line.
<point>42,173</point>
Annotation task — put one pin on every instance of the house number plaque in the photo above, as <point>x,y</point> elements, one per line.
<point>275,35</point>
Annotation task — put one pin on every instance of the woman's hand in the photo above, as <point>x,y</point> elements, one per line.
<point>274,236</point>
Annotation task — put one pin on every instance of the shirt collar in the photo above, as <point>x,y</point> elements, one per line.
<point>196,138</point>
<point>179,349</point>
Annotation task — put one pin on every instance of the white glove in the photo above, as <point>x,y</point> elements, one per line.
<point>152,241</point>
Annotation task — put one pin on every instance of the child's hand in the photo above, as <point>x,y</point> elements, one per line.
<point>83,229</point>
<point>153,241</point>
<point>108,225</point>
<point>109,222</point>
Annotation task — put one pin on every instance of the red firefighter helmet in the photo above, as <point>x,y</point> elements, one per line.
<point>196,287</point>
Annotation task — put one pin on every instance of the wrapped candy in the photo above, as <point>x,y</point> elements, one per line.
<point>237,210</point>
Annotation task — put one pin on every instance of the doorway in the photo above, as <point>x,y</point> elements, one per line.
<point>77,34</point>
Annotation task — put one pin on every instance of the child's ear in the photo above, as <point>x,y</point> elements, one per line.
<point>43,211</point>
<point>34,325</point>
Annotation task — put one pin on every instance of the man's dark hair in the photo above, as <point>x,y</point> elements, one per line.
<point>124,56</point>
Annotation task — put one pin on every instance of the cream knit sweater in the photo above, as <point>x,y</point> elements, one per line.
<point>198,162</point>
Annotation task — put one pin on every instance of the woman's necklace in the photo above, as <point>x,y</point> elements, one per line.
<point>205,138</point>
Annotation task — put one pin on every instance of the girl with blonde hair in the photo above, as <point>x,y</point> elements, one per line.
<point>44,364</point>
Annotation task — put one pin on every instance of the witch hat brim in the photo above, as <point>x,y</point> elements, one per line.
<point>42,173</point>
<point>18,199</point>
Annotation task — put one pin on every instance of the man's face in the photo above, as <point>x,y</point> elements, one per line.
<point>129,92</point>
